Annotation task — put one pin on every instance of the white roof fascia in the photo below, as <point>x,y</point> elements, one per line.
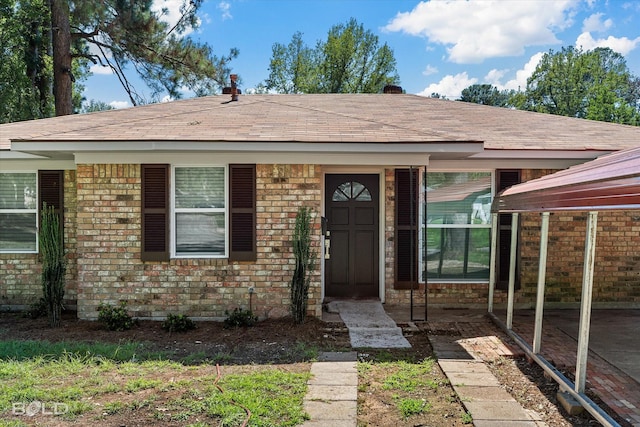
<point>16,155</point>
<point>540,154</point>
<point>502,163</point>
<point>9,165</point>
<point>195,158</point>
<point>263,146</point>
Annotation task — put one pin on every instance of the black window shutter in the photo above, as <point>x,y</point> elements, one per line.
<point>505,179</point>
<point>51,192</point>
<point>155,212</point>
<point>242,213</point>
<point>406,230</point>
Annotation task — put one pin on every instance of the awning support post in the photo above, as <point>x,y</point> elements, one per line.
<point>512,268</point>
<point>585,303</point>
<point>492,265</point>
<point>542,272</point>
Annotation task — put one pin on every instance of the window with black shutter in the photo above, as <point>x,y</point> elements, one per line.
<point>200,215</point>
<point>406,226</point>
<point>505,179</point>
<point>155,212</point>
<point>242,212</point>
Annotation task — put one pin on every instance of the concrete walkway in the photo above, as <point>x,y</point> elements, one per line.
<point>461,342</point>
<point>332,395</point>
<point>483,396</point>
<point>369,326</point>
<point>478,389</point>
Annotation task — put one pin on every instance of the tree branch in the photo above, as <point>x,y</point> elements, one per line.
<point>92,58</point>
<point>79,34</point>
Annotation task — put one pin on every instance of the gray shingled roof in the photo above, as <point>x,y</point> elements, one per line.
<point>352,118</point>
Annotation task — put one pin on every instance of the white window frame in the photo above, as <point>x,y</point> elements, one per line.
<point>174,211</point>
<point>421,233</point>
<point>25,211</point>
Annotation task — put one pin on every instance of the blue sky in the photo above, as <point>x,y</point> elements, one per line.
<point>440,46</point>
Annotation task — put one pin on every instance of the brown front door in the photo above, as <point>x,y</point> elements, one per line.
<point>351,208</point>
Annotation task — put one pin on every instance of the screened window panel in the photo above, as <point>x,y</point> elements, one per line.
<point>456,244</point>
<point>459,197</point>
<point>458,253</point>
<point>200,233</point>
<point>199,187</point>
<point>199,211</point>
<point>18,191</point>
<point>18,212</point>
<point>18,232</point>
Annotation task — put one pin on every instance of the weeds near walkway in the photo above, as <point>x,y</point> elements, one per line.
<point>409,388</point>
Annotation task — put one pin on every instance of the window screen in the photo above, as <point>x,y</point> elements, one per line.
<point>18,212</point>
<point>199,209</point>
<point>456,244</point>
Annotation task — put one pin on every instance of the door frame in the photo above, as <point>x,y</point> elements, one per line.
<point>381,221</point>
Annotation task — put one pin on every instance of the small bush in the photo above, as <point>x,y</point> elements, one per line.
<point>37,309</point>
<point>116,318</point>
<point>178,323</point>
<point>239,317</point>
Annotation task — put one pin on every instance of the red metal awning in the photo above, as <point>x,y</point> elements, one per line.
<point>608,182</point>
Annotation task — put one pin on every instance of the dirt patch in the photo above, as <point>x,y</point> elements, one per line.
<point>282,343</point>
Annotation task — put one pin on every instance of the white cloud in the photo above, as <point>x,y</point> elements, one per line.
<point>520,81</point>
<point>450,86</point>
<point>595,23</point>
<point>622,45</point>
<point>475,30</point>
<point>169,10</point>
<point>494,76</point>
<point>429,70</point>
<point>225,8</point>
<point>99,69</point>
<point>120,104</point>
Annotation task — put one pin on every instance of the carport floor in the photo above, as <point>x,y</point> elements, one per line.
<point>607,346</point>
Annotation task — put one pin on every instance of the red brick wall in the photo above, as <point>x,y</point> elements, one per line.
<point>104,256</point>
<point>110,269</point>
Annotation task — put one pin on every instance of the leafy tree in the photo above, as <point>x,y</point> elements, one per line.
<point>595,85</point>
<point>45,67</point>
<point>292,68</point>
<point>486,94</point>
<point>349,61</point>
<point>24,71</point>
<point>128,32</point>
<point>93,106</point>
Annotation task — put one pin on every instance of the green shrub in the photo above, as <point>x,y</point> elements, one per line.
<point>116,318</point>
<point>305,264</point>
<point>54,265</point>
<point>37,309</point>
<point>239,317</point>
<point>178,323</point>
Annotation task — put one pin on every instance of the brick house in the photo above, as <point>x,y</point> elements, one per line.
<point>182,207</point>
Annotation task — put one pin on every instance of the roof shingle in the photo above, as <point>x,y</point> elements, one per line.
<point>352,118</point>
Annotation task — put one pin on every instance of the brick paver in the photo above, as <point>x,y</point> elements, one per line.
<point>616,389</point>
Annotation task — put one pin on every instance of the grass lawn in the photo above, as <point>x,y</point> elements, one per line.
<point>107,384</point>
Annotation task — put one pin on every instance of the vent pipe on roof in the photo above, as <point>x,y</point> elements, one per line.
<point>233,89</point>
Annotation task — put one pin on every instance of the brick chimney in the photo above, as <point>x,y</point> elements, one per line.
<point>392,89</point>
